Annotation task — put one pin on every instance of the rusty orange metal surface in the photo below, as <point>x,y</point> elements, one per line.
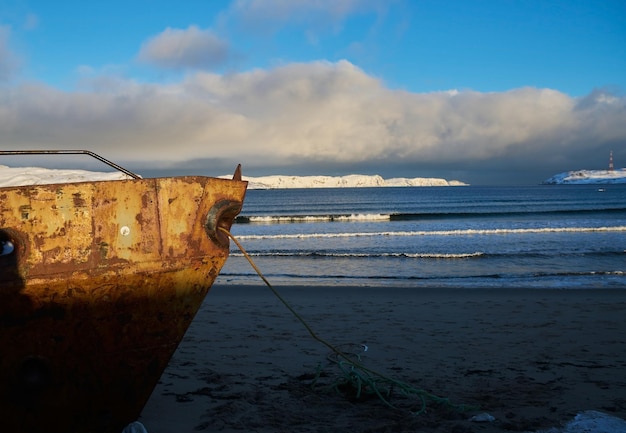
<point>98,284</point>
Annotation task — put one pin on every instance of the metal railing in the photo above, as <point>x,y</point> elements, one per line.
<point>71,152</point>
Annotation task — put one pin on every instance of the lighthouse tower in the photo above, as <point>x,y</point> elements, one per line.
<point>611,168</point>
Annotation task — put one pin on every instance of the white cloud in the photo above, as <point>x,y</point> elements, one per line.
<point>191,48</point>
<point>311,113</point>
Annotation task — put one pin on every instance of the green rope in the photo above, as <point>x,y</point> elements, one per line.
<point>356,375</point>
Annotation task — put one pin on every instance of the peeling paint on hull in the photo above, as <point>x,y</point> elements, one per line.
<point>98,283</point>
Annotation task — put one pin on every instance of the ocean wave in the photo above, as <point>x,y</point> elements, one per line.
<point>424,255</point>
<point>490,214</point>
<point>286,219</point>
<point>283,219</point>
<point>300,254</point>
<point>465,232</point>
<point>541,280</point>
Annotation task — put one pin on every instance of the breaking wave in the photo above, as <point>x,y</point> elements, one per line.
<point>360,255</point>
<point>466,232</point>
<point>287,219</point>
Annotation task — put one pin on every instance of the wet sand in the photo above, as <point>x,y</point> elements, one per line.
<point>532,359</point>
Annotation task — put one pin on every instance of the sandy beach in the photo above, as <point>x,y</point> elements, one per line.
<point>532,359</point>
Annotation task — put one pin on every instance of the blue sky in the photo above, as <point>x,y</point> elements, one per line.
<point>482,91</point>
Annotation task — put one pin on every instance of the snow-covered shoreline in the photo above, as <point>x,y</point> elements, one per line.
<point>17,176</point>
<point>592,177</point>
<point>349,181</point>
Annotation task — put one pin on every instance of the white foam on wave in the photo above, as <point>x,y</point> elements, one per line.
<point>272,219</point>
<point>445,255</point>
<point>467,232</point>
<point>364,255</point>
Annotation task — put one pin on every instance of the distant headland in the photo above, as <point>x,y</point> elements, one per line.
<point>592,177</point>
<point>349,181</point>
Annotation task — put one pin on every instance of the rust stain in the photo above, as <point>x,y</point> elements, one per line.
<point>79,201</point>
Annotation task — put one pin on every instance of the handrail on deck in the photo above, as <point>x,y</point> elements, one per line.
<point>71,152</point>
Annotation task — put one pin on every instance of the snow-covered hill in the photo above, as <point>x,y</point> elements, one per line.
<point>588,177</point>
<point>349,181</point>
<point>16,176</point>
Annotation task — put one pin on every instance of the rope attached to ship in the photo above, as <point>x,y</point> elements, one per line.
<point>356,375</point>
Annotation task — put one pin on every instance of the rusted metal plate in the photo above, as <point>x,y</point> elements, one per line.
<point>99,284</point>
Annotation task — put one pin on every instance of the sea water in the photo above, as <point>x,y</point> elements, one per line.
<point>544,236</point>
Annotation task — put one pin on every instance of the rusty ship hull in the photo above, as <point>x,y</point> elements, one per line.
<point>98,283</point>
